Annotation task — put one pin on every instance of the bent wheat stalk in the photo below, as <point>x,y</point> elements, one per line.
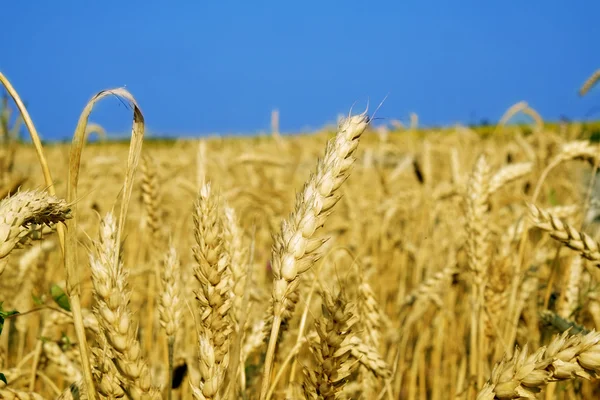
<point>71,262</point>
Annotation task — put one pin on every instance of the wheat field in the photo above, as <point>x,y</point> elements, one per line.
<point>352,263</point>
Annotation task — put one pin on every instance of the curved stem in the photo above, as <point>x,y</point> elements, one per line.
<point>37,143</point>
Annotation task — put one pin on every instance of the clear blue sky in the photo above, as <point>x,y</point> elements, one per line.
<point>199,67</point>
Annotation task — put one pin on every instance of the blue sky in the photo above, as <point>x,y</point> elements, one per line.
<point>199,67</point>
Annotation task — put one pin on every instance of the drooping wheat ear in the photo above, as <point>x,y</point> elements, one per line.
<point>508,174</point>
<point>478,253</point>
<point>334,361</point>
<point>235,237</point>
<point>367,356</point>
<point>112,295</point>
<point>515,230</point>
<point>170,306</point>
<point>524,375</point>
<point>577,149</point>
<point>214,296</point>
<point>295,249</point>
<point>18,212</point>
<point>150,196</point>
<point>589,83</point>
<point>569,297</point>
<point>11,394</point>
<point>564,233</point>
<point>69,371</point>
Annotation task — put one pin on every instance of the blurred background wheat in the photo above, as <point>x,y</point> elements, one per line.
<point>376,257</point>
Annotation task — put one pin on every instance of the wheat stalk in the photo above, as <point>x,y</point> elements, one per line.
<point>589,83</point>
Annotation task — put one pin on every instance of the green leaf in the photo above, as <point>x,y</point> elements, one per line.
<point>60,297</point>
<point>66,341</point>
<point>5,314</point>
<point>3,378</point>
<point>37,300</point>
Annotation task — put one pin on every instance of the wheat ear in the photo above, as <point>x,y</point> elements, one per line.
<point>333,356</point>
<point>524,374</point>
<point>295,248</point>
<point>116,320</point>
<point>564,233</point>
<point>214,296</point>
<point>478,251</point>
<point>25,208</point>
